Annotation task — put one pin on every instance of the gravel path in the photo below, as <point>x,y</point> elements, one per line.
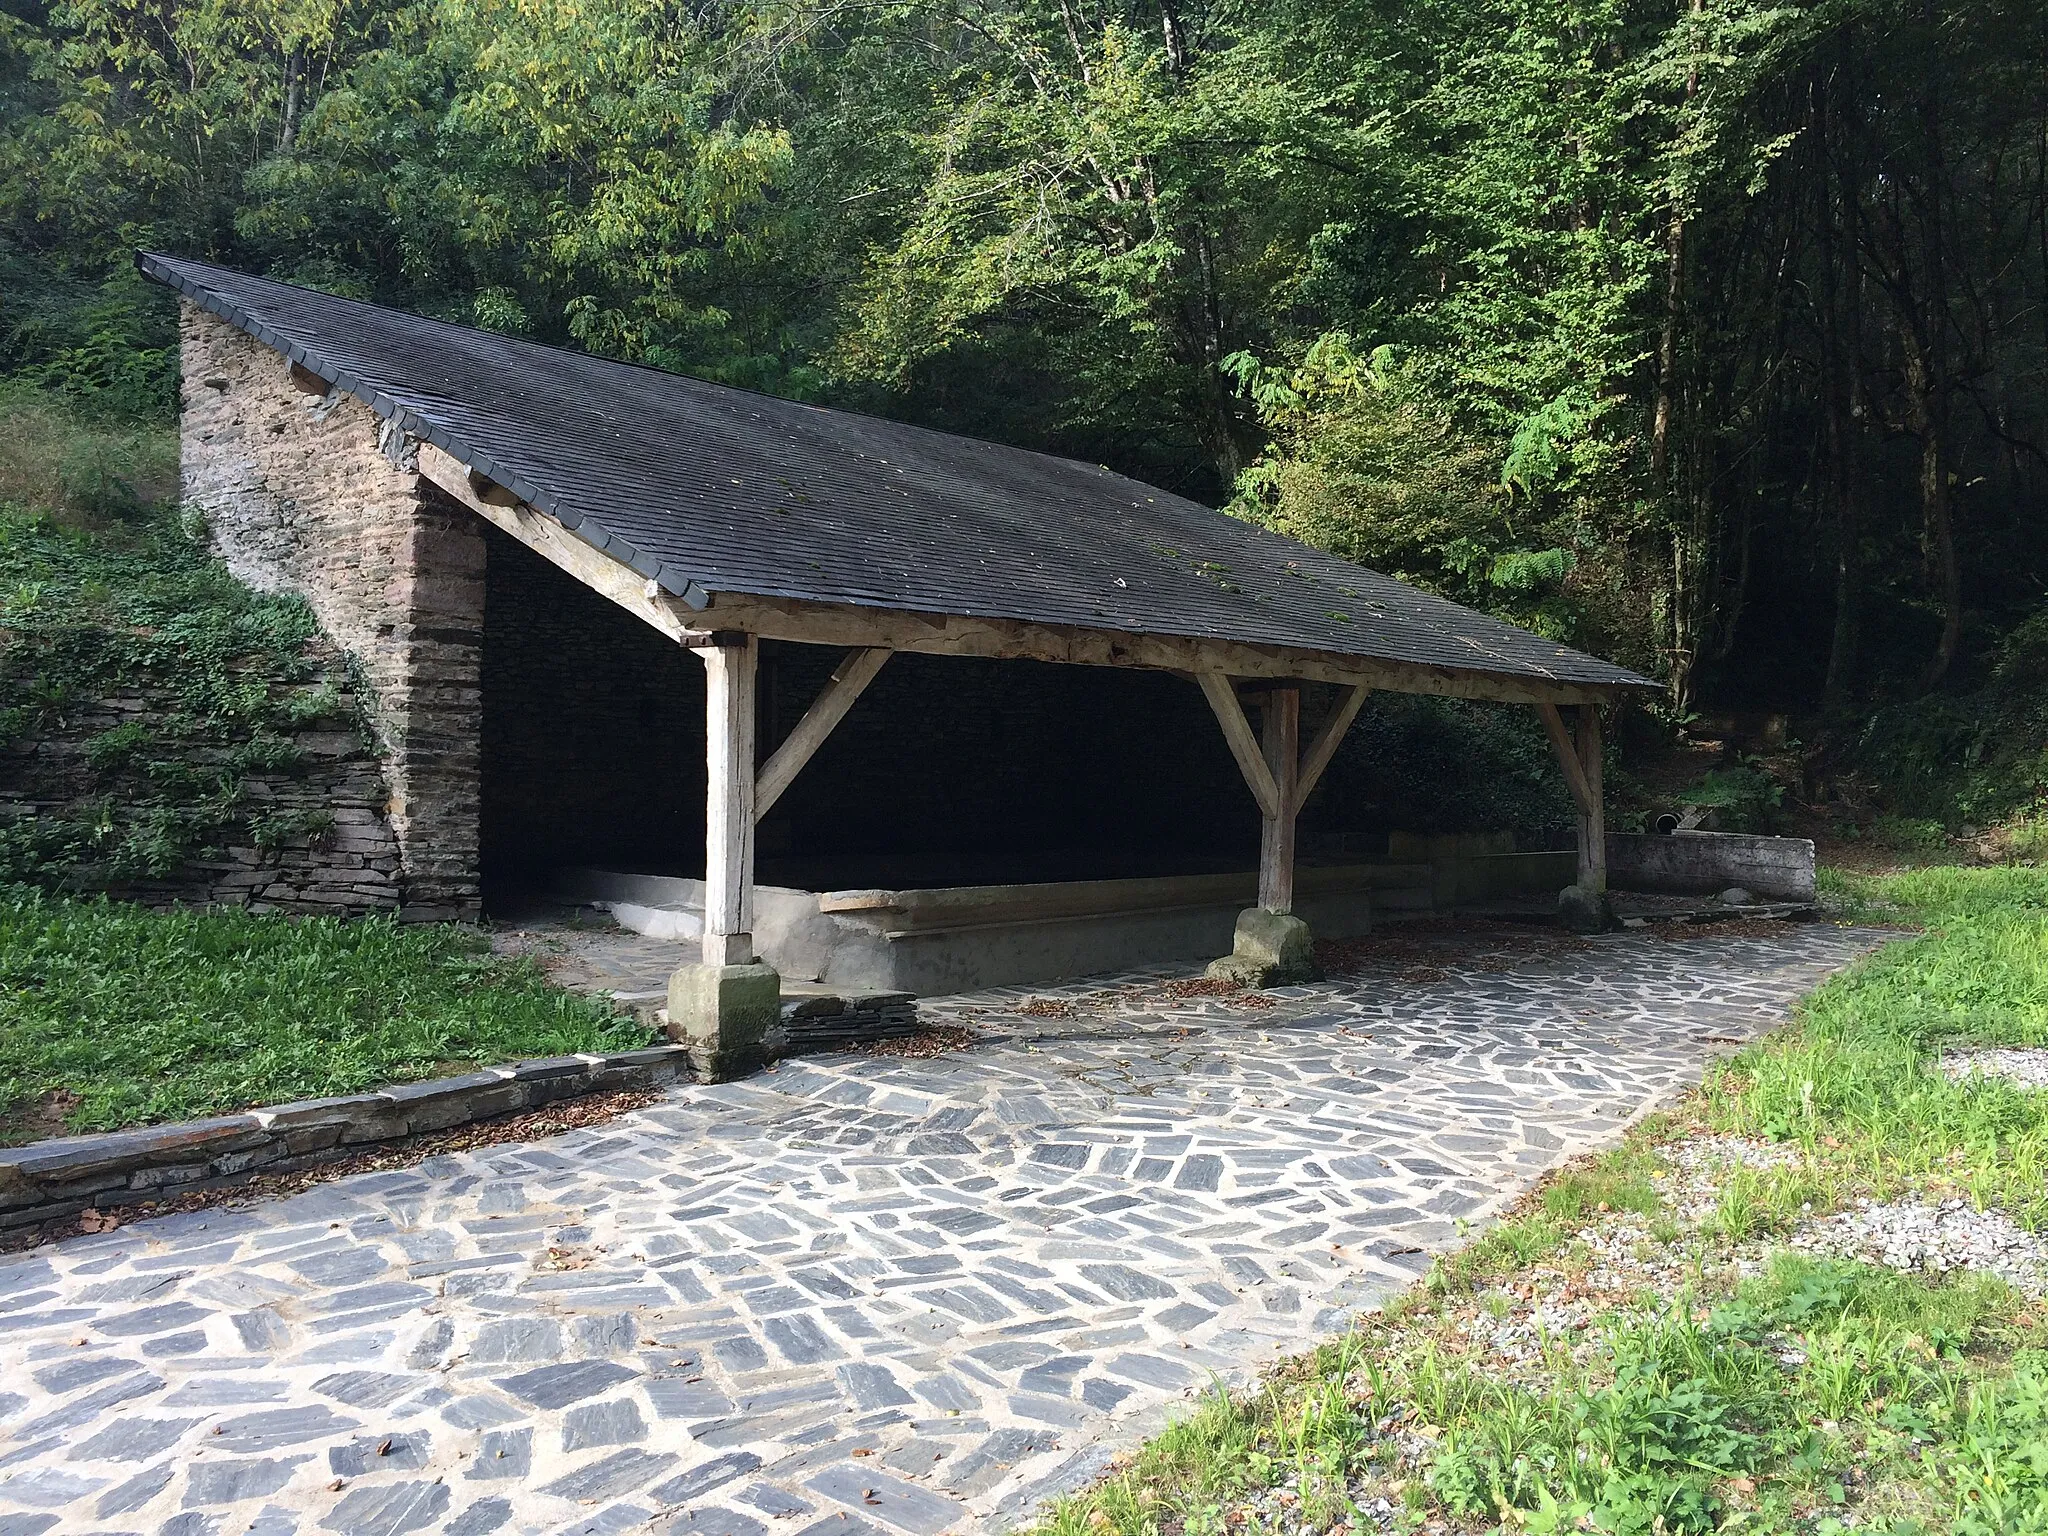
<point>2023,1066</point>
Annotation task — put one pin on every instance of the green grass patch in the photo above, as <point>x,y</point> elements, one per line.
<point>130,1016</point>
<point>1815,1396</point>
<point>1855,1077</point>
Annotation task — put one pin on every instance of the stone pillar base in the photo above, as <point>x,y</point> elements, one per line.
<point>723,1014</point>
<point>1271,949</point>
<point>1584,911</point>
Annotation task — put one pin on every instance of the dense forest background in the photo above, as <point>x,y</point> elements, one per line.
<point>1709,334</point>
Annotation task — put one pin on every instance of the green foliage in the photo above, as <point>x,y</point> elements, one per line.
<point>138,1016</point>
<point>93,614</point>
<point>1553,306</point>
<point>84,468</point>
<point>1969,757</point>
<point>1367,463</point>
<point>1744,795</point>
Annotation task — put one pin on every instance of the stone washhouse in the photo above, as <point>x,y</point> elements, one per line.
<point>819,696</point>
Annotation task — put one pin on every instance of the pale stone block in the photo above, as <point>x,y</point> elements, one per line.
<point>1269,949</point>
<point>723,1014</point>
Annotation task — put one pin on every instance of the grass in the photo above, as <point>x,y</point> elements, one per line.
<point>85,470</point>
<point>112,1015</point>
<point>122,1016</point>
<point>1746,1386</point>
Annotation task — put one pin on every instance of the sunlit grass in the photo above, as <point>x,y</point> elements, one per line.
<point>1813,1394</point>
<point>138,1016</point>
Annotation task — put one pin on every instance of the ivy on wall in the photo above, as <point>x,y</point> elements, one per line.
<point>204,681</point>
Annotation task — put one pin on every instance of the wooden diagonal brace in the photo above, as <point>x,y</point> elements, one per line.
<point>826,711</point>
<point>1324,747</point>
<point>1244,745</point>
<point>1567,751</point>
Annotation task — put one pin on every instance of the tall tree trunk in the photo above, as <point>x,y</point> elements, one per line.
<point>1841,334</point>
<point>295,82</point>
<point>1930,388</point>
<point>1685,554</point>
<point>1221,429</point>
<point>1674,305</point>
<point>1926,414</point>
<point>1667,345</point>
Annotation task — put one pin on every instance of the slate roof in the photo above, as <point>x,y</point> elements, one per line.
<point>708,489</point>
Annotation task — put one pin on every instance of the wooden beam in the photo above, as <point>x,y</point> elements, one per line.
<point>825,713</point>
<point>1324,747</point>
<point>1593,823</point>
<point>1567,751</point>
<point>1280,733</point>
<point>729,676</point>
<point>1244,746</point>
<point>547,538</point>
<point>305,380</point>
<point>846,624</point>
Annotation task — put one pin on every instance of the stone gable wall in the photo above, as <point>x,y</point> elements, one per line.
<point>313,494</point>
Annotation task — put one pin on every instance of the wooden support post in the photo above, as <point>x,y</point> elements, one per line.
<point>729,674</point>
<point>1593,823</point>
<point>1279,775</point>
<point>830,707</point>
<point>1578,754</point>
<point>1281,739</point>
<point>1271,945</point>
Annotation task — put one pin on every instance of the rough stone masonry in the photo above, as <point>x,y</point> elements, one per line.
<point>307,492</point>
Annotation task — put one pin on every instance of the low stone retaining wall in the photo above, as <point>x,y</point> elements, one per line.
<point>49,1180</point>
<point>829,1022</point>
<point>1701,863</point>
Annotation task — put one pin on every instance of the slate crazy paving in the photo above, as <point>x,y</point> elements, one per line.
<point>853,1297</point>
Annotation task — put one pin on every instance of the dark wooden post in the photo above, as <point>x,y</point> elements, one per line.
<point>1593,817</point>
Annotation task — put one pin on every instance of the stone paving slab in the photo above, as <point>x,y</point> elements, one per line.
<point>852,1297</point>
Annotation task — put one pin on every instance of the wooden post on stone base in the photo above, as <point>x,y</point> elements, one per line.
<point>1272,944</point>
<point>1593,819</point>
<point>723,1007</point>
<point>730,676</point>
<point>1583,905</point>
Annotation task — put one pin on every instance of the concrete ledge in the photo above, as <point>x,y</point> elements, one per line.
<point>48,1180</point>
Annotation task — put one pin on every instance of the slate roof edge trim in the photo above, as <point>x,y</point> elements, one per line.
<point>698,596</point>
<point>683,588</point>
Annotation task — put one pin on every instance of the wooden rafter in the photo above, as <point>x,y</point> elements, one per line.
<point>1567,751</point>
<point>1328,739</point>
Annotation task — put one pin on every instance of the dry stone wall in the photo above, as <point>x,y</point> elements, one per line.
<point>308,491</point>
<point>308,837</point>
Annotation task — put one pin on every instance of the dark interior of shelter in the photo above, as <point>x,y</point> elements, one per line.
<point>948,771</point>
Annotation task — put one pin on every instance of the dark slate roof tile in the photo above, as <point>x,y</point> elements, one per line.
<point>708,489</point>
